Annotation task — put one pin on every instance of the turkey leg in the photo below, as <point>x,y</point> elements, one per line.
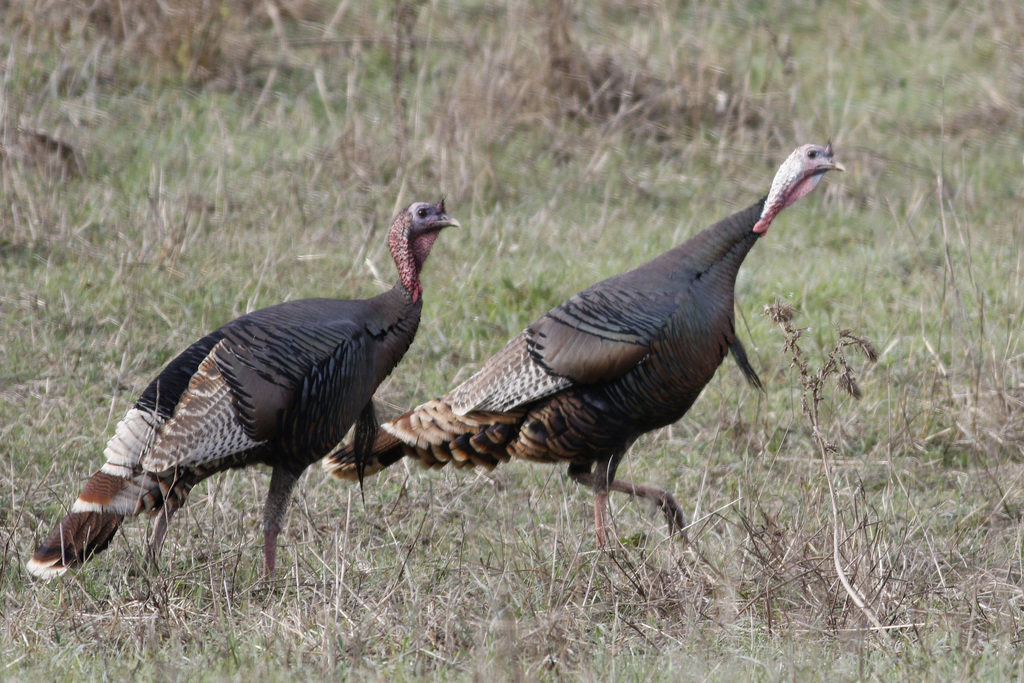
<point>163,518</point>
<point>282,482</point>
<point>601,485</point>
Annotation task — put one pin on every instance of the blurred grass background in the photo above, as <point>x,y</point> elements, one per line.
<point>165,167</point>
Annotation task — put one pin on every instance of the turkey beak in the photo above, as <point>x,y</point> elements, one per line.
<point>825,164</point>
<point>828,163</point>
<point>444,221</point>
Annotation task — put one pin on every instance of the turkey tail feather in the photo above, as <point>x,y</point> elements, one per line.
<point>385,451</point>
<point>434,435</point>
<point>75,539</point>
<point>97,514</point>
<point>93,521</point>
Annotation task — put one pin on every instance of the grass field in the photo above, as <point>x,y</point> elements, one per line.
<point>164,169</point>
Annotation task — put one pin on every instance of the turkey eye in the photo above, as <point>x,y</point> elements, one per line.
<point>813,154</point>
<point>422,212</point>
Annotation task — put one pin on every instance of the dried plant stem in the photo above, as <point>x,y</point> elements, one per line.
<point>403,58</point>
<point>812,383</point>
<point>851,590</point>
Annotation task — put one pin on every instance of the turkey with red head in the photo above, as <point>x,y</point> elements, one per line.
<point>280,386</point>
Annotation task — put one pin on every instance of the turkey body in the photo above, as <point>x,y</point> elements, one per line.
<point>621,358</point>
<point>280,386</point>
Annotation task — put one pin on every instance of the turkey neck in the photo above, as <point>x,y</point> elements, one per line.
<point>394,321</point>
<point>718,250</point>
<point>687,351</point>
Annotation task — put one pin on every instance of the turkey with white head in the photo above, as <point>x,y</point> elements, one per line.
<point>621,358</point>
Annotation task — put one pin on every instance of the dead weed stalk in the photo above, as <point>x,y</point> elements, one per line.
<point>812,386</point>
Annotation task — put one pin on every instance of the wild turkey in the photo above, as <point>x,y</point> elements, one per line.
<point>279,386</point>
<point>626,356</point>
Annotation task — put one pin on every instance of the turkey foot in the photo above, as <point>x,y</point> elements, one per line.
<point>664,501</point>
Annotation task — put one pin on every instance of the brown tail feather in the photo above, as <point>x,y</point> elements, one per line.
<point>105,500</point>
<point>386,451</point>
<point>434,435</point>
<point>78,537</point>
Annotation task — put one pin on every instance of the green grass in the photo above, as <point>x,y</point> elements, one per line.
<point>212,178</point>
